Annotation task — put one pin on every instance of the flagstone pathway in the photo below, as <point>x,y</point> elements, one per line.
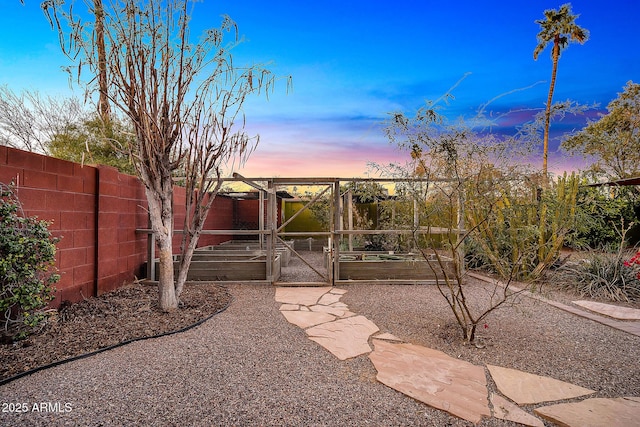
<point>441,381</point>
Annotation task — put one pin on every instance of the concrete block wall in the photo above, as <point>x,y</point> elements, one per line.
<point>64,194</point>
<point>121,209</point>
<point>95,211</point>
<point>247,213</point>
<point>220,218</point>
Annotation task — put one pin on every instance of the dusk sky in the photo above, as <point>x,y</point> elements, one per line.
<point>352,62</point>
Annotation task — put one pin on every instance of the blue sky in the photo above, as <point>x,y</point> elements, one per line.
<point>352,62</point>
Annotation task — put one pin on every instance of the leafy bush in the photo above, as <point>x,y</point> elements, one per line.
<point>27,271</point>
<point>598,216</point>
<point>94,141</point>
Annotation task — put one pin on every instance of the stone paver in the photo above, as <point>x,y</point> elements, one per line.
<point>327,320</point>
<point>525,388</point>
<point>387,337</point>
<point>622,313</point>
<point>329,298</point>
<point>307,319</point>
<point>449,384</point>
<point>434,378</point>
<point>302,295</point>
<point>344,338</point>
<point>619,412</point>
<point>336,311</point>
<point>505,410</point>
<point>339,305</point>
<point>630,327</point>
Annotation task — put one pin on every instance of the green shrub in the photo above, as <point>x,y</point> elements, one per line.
<point>598,215</point>
<point>27,271</point>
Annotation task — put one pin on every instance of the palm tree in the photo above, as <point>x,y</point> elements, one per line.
<point>53,10</point>
<point>558,26</point>
<point>103,101</point>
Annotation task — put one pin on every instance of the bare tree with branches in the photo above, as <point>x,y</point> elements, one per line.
<point>30,121</point>
<point>184,100</point>
<point>471,198</point>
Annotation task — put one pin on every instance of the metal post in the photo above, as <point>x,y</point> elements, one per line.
<point>151,256</point>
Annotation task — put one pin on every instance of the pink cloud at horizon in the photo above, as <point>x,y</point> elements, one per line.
<point>315,160</point>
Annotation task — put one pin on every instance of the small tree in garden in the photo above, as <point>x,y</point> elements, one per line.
<point>62,128</point>
<point>27,272</point>
<point>184,100</point>
<point>484,202</point>
<point>613,141</point>
<point>613,145</point>
<point>598,217</point>
<point>94,141</point>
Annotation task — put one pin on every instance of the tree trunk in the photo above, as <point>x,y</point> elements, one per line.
<point>167,298</point>
<point>470,333</point>
<point>545,149</point>
<point>547,114</point>
<point>185,262</point>
<point>103,102</point>
<point>160,212</point>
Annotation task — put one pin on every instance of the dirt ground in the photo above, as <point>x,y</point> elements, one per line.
<point>128,313</point>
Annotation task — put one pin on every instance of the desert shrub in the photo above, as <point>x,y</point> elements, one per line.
<point>520,235</point>
<point>27,271</point>
<point>634,263</point>
<point>507,250</point>
<point>603,275</point>
<point>611,273</point>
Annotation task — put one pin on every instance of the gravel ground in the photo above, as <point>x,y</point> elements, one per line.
<point>531,336</point>
<point>248,366</point>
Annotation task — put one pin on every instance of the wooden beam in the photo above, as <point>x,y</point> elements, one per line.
<point>335,238</point>
<point>304,207</point>
<point>304,261</point>
<point>350,217</point>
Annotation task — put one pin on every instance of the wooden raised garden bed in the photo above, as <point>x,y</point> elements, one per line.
<point>228,267</point>
<point>411,268</point>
